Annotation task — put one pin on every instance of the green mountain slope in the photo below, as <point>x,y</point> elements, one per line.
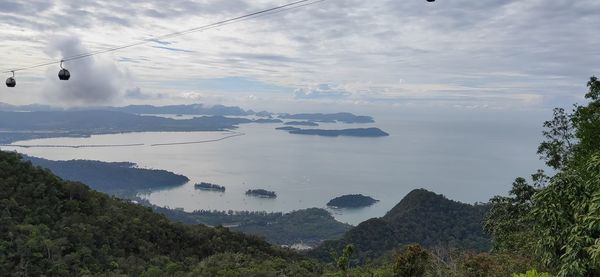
<point>57,228</point>
<point>421,217</point>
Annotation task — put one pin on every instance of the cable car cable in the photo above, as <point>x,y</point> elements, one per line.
<point>270,11</point>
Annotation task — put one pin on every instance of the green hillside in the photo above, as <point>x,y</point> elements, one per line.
<point>57,228</point>
<point>421,217</point>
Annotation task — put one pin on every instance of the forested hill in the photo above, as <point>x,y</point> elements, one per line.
<point>116,178</point>
<point>58,228</point>
<point>421,217</point>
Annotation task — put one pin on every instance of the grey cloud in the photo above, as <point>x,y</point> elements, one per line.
<point>137,94</point>
<point>30,6</point>
<point>92,81</point>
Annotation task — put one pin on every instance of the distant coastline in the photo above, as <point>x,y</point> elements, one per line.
<point>20,123</point>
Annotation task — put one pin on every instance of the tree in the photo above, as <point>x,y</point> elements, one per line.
<point>412,262</point>
<point>568,220</point>
<point>561,214</point>
<point>509,220</point>
<point>343,262</point>
<point>557,149</point>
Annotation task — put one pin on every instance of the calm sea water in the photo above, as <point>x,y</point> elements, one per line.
<point>467,160</point>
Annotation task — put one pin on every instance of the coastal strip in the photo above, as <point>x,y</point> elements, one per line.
<point>201,141</point>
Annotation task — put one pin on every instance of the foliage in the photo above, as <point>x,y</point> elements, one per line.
<point>309,226</point>
<point>533,273</point>
<point>412,262</point>
<point>559,134</point>
<point>561,215</point>
<point>510,221</point>
<point>441,262</point>
<point>343,262</point>
<point>261,193</point>
<point>421,217</point>
<point>56,228</point>
<point>209,186</point>
<point>568,220</point>
<point>243,265</point>
<point>351,201</point>
<point>120,178</point>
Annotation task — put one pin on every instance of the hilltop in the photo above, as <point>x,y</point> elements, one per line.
<point>420,217</point>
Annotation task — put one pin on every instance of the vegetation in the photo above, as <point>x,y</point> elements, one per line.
<point>121,178</point>
<point>309,227</point>
<point>556,219</point>
<point>209,186</point>
<point>549,226</point>
<point>421,217</point>
<point>352,201</point>
<point>61,228</point>
<point>261,193</point>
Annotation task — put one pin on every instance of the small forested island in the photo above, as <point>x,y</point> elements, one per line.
<point>261,193</point>
<point>209,186</point>
<point>301,123</point>
<point>352,201</point>
<point>356,132</point>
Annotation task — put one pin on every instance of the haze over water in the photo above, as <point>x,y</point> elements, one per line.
<point>466,159</point>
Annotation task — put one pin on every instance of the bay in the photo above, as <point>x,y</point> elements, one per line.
<point>466,160</point>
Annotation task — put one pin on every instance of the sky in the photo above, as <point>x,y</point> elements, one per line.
<point>477,55</point>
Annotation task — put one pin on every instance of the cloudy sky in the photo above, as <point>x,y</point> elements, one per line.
<point>459,54</point>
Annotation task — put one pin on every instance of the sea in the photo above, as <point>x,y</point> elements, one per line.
<point>467,159</point>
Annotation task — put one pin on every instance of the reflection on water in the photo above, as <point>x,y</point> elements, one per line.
<point>466,161</point>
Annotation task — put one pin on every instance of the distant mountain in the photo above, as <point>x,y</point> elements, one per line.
<point>334,117</point>
<point>193,109</point>
<point>421,217</point>
<point>355,132</point>
<point>27,108</point>
<point>121,178</point>
<point>52,227</point>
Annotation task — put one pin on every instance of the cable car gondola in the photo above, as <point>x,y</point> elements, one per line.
<point>10,82</point>
<point>63,74</point>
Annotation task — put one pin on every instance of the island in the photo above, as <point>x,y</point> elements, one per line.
<point>334,117</point>
<point>261,193</point>
<point>209,186</point>
<point>301,123</point>
<point>352,201</point>
<point>356,132</point>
